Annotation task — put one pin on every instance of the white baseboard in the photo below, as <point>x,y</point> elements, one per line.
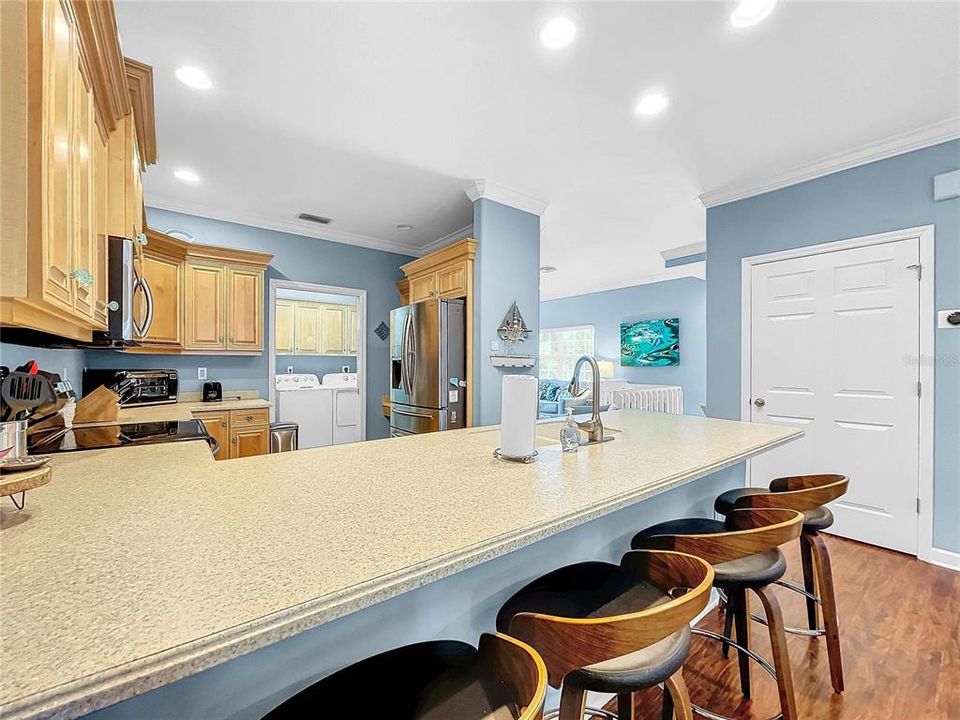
<point>944,558</point>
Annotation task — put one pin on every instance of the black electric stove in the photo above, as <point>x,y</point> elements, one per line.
<point>101,437</point>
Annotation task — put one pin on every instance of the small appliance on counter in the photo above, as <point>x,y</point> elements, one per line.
<point>135,387</point>
<point>212,391</point>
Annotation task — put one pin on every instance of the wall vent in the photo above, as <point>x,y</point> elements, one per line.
<point>314,218</point>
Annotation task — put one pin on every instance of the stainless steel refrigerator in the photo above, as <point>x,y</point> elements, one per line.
<point>428,345</point>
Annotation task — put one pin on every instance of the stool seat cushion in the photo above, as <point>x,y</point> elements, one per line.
<point>751,571</point>
<point>641,669</point>
<point>428,681</point>
<point>819,518</point>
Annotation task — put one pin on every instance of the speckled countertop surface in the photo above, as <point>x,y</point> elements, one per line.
<point>184,409</point>
<point>138,566</point>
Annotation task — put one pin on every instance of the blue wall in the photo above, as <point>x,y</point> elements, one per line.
<point>886,195</point>
<point>319,365</point>
<point>66,363</point>
<point>507,269</point>
<point>684,298</point>
<point>299,258</point>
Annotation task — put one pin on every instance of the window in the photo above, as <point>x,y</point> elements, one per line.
<point>560,348</point>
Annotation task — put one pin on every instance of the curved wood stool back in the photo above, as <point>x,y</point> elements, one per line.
<point>808,492</point>
<point>570,643</point>
<point>503,678</point>
<point>750,531</point>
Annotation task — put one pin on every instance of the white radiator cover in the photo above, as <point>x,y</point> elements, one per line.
<point>630,396</point>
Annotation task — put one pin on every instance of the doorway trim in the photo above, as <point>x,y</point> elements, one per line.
<point>925,234</point>
<point>361,296</point>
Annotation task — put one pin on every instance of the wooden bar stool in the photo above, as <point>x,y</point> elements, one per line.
<point>744,552</point>
<point>612,628</point>
<point>808,494</point>
<point>502,680</point>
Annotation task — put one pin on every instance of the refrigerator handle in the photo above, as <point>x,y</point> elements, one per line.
<point>405,355</point>
<point>412,356</point>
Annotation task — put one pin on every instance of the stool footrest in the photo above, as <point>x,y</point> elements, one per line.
<point>792,629</point>
<point>757,658</point>
<point>588,712</point>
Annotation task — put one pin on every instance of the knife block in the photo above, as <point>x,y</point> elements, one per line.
<point>101,406</point>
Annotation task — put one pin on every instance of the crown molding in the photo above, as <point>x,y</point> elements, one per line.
<point>489,190</point>
<point>683,251</point>
<point>925,136</point>
<point>293,227</point>
<point>464,232</point>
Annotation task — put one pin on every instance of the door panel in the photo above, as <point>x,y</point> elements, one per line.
<point>422,358</point>
<point>423,287</point>
<point>308,329</point>
<point>284,319</point>
<point>249,441</point>
<point>452,281</point>
<point>331,330</point>
<point>244,309</point>
<point>84,250</point>
<point>217,424</point>
<point>830,335</point>
<point>204,311</point>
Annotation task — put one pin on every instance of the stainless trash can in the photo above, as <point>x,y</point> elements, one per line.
<point>284,436</point>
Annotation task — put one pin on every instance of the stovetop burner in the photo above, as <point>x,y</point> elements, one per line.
<point>108,436</point>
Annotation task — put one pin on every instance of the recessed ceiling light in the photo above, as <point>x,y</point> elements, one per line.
<point>186,175</point>
<point>404,226</point>
<point>547,269</point>
<point>557,33</point>
<point>652,103</point>
<point>750,12</point>
<point>194,77</point>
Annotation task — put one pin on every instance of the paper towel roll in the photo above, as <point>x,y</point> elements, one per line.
<point>518,415</point>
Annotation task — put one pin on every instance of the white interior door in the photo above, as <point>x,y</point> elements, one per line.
<point>834,339</point>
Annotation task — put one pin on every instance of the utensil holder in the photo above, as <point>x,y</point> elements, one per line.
<point>13,435</point>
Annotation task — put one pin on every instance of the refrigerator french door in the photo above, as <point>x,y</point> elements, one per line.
<point>427,367</point>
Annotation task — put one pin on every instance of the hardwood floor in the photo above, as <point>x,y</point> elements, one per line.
<point>899,631</point>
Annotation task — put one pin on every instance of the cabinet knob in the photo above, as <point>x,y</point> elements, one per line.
<point>113,306</point>
<point>221,339</point>
<point>249,418</point>
<point>223,423</point>
<point>234,440</point>
<point>231,339</point>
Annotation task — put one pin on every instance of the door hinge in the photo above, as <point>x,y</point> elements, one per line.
<point>918,267</point>
<point>918,506</point>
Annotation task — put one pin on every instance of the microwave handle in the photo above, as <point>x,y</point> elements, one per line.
<point>140,283</point>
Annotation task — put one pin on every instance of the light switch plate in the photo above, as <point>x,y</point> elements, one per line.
<point>494,346</point>
<point>201,373</point>
<point>942,321</point>
<point>289,369</point>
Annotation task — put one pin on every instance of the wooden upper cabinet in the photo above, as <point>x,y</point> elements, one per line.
<point>244,308</point>
<point>423,287</point>
<point>204,307</point>
<point>452,280</point>
<point>84,211</point>
<point>59,58</point>
<point>307,329</point>
<point>284,318</point>
<point>161,264</point>
<point>331,330</point>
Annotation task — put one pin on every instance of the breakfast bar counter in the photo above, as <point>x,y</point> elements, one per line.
<point>137,567</point>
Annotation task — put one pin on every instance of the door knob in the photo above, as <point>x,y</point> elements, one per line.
<point>759,402</point>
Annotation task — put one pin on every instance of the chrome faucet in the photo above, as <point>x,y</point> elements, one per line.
<point>594,426</point>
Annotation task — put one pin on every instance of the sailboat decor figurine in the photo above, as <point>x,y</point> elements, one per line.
<point>513,329</point>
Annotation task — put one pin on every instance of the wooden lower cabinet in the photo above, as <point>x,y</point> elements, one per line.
<point>249,441</point>
<point>240,433</point>
<point>217,423</point>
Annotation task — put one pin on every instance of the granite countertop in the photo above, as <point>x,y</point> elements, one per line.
<point>136,567</point>
<point>184,409</point>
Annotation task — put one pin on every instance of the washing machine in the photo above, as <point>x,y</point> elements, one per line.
<point>302,399</point>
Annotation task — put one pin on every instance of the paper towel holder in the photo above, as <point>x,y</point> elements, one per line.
<point>525,459</point>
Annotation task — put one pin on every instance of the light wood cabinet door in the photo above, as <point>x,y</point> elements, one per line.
<point>331,330</point>
<point>284,322</point>
<point>165,277</point>
<point>217,423</point>
<point>246,442</point>
<point>101,175</point>
<point>244,309</point>
<point>423,287</point>
<point>307,329</point>
<point>204,311</point>
<point>350,330</point>
<point>59,66</point>
<point>84,255</point>
<point>452,281</point>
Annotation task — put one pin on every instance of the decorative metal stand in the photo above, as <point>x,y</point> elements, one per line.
<point>759,659</point>
<point>526,459</point>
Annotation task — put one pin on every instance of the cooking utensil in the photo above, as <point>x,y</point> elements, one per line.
<point>22,391</point>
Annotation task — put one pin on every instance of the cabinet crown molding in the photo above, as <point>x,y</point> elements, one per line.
<point>139,81</point>
<point>465,249</point>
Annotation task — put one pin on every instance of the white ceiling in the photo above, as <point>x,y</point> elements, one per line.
<point>377,114</point>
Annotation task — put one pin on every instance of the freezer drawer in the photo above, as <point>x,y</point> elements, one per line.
<point>407,419</point>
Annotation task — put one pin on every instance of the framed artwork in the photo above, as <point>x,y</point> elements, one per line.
<point>650,343</point>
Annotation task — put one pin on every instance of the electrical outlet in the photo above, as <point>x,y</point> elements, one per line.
<point>494,345</point>
<point>289,369</point>
<point>345,369</point>
<point>201,373</point>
